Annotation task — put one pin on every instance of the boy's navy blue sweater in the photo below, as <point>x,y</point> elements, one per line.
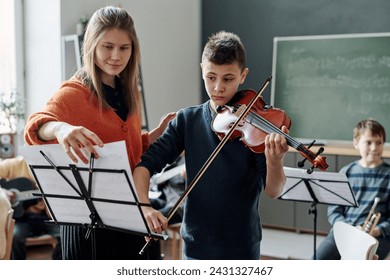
<point>221,216</point>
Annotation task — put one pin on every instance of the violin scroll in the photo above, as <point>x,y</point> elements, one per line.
<point>316,160</point>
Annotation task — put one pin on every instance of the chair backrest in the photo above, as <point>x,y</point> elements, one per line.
<point>353,243</point>
<point>9,235</point>
<point>44,239</point>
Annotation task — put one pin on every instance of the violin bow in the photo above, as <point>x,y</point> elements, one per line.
<point>211,158</point>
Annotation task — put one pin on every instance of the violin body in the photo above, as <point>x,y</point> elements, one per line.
<point>248,132</point>
<point>260,121</point>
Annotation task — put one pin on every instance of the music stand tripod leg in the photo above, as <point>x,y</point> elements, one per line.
<point>313,210</point>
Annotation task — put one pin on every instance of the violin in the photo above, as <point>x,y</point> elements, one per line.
<point>261,120</point>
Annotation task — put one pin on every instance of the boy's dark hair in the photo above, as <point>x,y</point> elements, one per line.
<point>224,48</point>
<point>372,125</point>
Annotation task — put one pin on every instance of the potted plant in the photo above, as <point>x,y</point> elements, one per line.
<point>11,111</point>
<point>11,115</point>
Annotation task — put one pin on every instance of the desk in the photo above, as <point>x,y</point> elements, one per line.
<point>344,148</point>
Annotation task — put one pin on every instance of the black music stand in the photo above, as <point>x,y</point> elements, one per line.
<point>318,187</point>
<point>91,198</point>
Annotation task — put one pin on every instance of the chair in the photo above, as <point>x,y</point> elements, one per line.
<point>353,243</point>
<point>41,247</point>
<point>10,222</point>
<point>45,239</point>
<point>174,231</point>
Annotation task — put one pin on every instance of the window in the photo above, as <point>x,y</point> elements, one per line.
<point>11,66</point>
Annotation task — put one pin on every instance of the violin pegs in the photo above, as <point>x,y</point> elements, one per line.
<point>320,151</point>
<point>301,163</point>
<point>310,170</point>
<point>311,144</point>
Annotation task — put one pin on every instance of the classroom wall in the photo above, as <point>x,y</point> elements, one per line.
<point>169,34</point>
<point>257,22</point>
<point>172,34</point>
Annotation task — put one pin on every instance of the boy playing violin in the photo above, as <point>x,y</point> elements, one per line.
<point>221,217</point>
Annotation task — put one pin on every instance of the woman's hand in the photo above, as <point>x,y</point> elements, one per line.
<point>155,133</point>
<point>72,139</point>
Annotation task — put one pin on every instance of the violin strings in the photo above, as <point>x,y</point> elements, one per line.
<point>271,127</point>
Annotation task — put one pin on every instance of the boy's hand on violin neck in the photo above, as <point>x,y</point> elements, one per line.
<point>276,146</point>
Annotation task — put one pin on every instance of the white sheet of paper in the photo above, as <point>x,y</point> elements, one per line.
<point>105,185</point>
<point>112,156</point>
<point>328,187</point>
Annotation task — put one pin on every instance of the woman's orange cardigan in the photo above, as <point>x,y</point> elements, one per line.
<point>73,103</point>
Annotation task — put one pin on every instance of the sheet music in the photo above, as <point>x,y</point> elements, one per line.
<point>112,156</point>
<point>70,210</point>
<point>327,187</point>
<point>131,220</point>
<point>111,192</point>
<point>316,175</point>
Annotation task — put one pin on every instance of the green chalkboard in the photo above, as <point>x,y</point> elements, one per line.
<point>326,84</point>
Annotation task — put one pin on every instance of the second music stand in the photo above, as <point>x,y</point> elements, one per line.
<point>317,187</point>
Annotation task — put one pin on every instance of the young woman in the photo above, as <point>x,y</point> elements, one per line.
<point>100,104</point>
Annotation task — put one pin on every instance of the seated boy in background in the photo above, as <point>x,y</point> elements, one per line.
<point>369,177</point>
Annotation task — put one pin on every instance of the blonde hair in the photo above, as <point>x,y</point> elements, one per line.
<point>102,20</point>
